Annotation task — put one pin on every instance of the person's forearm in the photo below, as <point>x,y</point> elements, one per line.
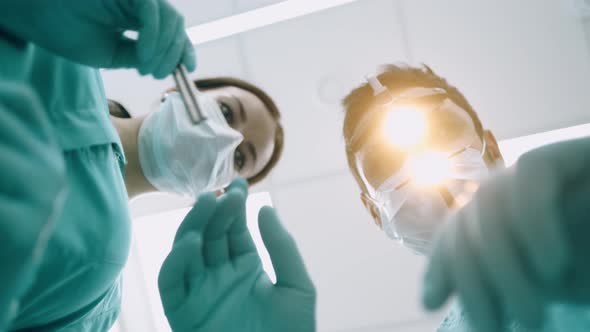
<point>135,181</point>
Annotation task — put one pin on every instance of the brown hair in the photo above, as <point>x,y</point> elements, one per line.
<point>117,110</point>
<point>396,78</point>
<point>220,82</point>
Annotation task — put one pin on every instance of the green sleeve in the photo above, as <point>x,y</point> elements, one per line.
<point>32,188</point>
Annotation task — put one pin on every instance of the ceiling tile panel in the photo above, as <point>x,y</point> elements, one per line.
<point>524,65</point>
<point>308,65</point>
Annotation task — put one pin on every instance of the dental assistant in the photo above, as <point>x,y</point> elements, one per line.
<point>64,223</point>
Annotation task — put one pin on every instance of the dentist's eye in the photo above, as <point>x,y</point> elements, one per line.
<point>239,160</point>
<point>227,112</point>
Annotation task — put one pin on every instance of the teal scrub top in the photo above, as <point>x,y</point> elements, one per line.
<point>76,284</point>
<point>560,318</point>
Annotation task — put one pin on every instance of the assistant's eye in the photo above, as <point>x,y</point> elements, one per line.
<point>239,160</point>
<point>227,112</point>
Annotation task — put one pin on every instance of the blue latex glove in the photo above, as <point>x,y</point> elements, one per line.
<point>32,188</point>
<point>213,280</point>
<point>521,244</point>
<point>90,32</point>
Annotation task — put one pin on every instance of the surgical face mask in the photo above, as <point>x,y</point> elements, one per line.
<point>412,215</point>
<point>181,157</point>
<point>416,221</point>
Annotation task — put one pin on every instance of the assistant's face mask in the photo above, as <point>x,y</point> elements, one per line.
<point>180,157</point>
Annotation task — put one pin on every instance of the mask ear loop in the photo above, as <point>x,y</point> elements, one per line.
<point>444,192</point>
<point>447,196</point>
<point>483,147</point>
<point>376,85</point>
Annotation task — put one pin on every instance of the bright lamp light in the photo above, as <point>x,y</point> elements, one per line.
<point>429,169</point>
<point>404,127</point>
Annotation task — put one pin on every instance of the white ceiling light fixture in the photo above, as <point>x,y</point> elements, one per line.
<point>258,18</point>
<point>513,148</point>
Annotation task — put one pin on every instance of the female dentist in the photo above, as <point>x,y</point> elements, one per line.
<point>64,223</point>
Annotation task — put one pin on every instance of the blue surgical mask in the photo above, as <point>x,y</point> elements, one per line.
<point>181,157</point>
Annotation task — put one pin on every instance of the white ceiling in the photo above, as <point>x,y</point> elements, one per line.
<point>202,11</point>
<point>524,65</point>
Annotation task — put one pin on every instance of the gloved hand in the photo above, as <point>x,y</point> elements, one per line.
<point>90,32</point>
<point>522,242</point>
<point>32,188</point>
<point>213,280</point>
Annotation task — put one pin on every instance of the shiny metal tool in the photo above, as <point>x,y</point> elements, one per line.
<point>189,94</point>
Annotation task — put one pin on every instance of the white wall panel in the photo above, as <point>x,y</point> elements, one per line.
<point>524,65</point>
<point>324,53</point>
<point>362,277</point>
<point>429,324</point>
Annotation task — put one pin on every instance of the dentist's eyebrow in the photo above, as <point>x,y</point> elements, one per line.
<point>252,150</point>
<point>241,108</point>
